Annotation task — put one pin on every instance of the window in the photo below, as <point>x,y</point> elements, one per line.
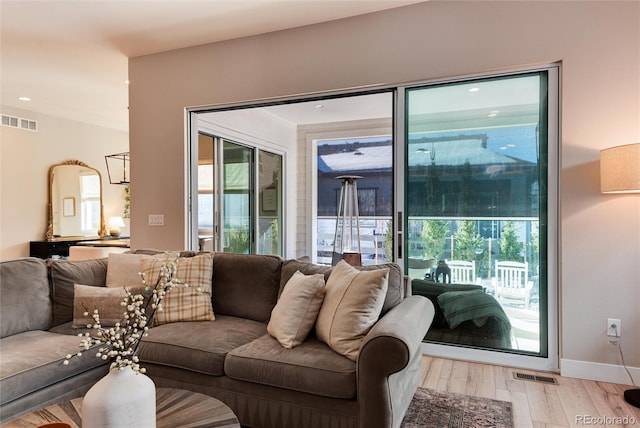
<point>371,159</point>
<point>90,203</point>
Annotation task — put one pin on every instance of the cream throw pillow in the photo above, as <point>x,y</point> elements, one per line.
<point>182,303</point>
<point>297,309</point>
<point>352,305</point>
<point>123,270</point>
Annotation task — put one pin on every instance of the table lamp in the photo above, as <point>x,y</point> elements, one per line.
<point>115,223</point>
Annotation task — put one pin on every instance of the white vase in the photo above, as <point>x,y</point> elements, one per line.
<point>121,399</point>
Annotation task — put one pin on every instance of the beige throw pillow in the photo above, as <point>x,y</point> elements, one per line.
<point>352,304</point>
<point>184,303</point>
<point>107,301</point>
<point>295,313</point>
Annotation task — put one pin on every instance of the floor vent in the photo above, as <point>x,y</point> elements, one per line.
<point>20,123</point>
<point>535,378</point>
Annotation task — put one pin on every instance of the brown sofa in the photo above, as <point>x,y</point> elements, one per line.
<point>232,358</point>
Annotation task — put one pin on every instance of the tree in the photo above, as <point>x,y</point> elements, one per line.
<point>468,241</point>
<point>510,247</point>
<point>434,236</point>
<point>387,242</point>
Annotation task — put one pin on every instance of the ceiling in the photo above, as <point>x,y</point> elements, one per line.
<point>70,57</point>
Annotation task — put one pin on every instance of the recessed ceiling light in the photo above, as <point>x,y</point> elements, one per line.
<point>319,106</point>
<point>24,98</point>
<point>126,82</point>
<point>474,89</point>
<point>494,113</point>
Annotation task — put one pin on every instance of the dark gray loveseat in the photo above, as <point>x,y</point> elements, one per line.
<point>232,358</point>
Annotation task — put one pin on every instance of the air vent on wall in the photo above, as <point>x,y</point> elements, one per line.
<point>20,123</point>
<point>535,378</point>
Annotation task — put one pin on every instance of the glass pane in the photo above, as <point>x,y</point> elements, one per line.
<point>270,199</point>
<point>90,203</point>
<point>206,200</point>
<point>474,197</point>
<point>372,159</point>
<point>237,176</point>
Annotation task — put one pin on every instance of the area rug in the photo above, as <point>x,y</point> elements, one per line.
<point>439,409</point>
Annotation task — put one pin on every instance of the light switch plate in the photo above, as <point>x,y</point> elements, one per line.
<point>156,219</point>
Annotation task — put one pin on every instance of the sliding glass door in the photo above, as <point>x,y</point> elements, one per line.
<point>476,209</point>
<point>239,202</point>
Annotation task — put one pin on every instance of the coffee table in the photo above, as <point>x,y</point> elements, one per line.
<point>174,408</point>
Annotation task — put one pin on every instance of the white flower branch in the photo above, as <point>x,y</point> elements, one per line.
<point>120,343</point>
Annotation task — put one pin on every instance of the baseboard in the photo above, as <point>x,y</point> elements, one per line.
<point>490,357</point>
<point>598,372</point>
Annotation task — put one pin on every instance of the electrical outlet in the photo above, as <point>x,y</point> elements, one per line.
<point>156,219</point>
<point>614,327</point>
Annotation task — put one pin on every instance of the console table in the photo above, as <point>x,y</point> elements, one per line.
<point>59,247</point>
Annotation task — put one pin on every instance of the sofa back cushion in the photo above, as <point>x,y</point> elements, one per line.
<point>395,286</point>
<point>64,275</point>
<point>245,285</point>
<point>25,302</point>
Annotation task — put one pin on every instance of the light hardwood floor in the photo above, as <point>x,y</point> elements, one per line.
<point>569,403</point>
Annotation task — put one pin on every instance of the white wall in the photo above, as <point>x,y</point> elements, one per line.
<point>597,42</point>
<point>25,158</point>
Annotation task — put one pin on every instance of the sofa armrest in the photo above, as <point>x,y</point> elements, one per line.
<point>388,365</point>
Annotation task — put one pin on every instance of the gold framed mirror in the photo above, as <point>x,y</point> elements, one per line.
<point>75,201</point>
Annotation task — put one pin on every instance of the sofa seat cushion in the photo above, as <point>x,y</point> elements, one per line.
<point>311,367</point>
<point>198,346</point>
<point>34,360</point>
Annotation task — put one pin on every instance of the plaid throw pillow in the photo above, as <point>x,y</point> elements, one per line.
<point>190,301</point>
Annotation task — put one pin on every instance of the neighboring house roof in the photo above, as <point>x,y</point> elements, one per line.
<point>374,158</point>
<point>447,153</point>
<point>455,153</point>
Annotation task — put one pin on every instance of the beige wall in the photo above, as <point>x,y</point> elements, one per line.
<point>597,42</point>
<point>25,158</point>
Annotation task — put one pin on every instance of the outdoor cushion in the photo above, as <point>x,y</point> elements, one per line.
<point>34,360</point>
<point>199,346</point>
<point>432,289</point>
<point>25,302</point>
<point>311,367</point>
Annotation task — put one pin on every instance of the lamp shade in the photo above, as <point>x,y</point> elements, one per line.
<point>116,222</point>
<point>620,169</point>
